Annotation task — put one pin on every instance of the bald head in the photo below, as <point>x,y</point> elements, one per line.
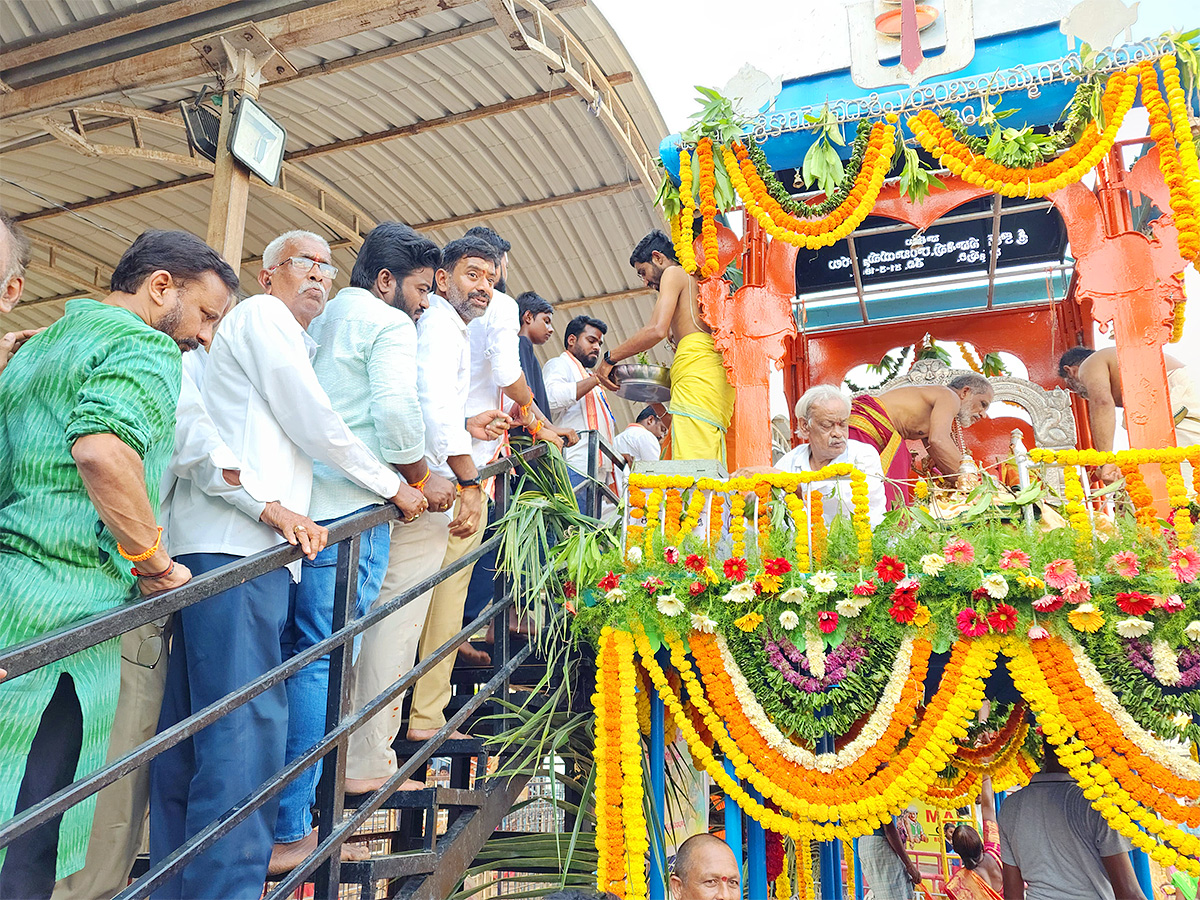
<point>705,869</point>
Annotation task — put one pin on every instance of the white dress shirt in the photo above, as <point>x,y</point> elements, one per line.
<point>561,376</point>
<point>200,456</point>
<point>443,381</point>
<point>367,362</point>
<point>835,492</point>
<point>638,442</point>
<point>495,363</point>
<point>264,398</point>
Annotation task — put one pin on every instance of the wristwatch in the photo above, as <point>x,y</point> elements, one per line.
<point>608,359</point>
<point>464,483</point>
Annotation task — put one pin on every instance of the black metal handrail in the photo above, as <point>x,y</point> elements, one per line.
<point>332,831</point>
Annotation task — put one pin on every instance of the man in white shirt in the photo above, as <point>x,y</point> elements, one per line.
<point>641,441</point>
<point>576,399</point>
<point>822,416</point>
<point>201,458</point>
<point>263,396</point>
<point>464,284</point>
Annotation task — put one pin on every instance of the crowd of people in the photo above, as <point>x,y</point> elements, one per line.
<point>131,467</point>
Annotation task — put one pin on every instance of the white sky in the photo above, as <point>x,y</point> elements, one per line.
<point>792,37</point>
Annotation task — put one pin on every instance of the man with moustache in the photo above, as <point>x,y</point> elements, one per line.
<point>464,289</point>
<point>576,399</point>
<point>87,416</point>
<point>934,415</point>
<point>264,398</point>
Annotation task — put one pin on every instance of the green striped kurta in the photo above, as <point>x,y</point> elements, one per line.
<point>99,369</point>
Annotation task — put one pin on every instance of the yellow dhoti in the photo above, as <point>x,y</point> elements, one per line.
<point>701,404</point>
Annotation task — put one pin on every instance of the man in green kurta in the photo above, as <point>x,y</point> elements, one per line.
<point>87,419</point>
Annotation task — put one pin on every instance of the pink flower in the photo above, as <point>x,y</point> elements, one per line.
<point>827,621</point>
<point>650,585</point>
<point>1061,573</point>
<point>1048,603</point>
<point>696,588</point>
<point>1037,632</point>
<point>671,555</point>
<point>1079,592</point>
<point>1172,604</point>
<point>958,551</point>
<point>971,624</point>
<point>906,589</point>
<point>864,588</point>
<point>1124,564</point>
<point>1185,564</point>
<point>1014,559</point>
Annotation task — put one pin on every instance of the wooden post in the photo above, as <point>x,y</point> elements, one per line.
<point>231,182</point>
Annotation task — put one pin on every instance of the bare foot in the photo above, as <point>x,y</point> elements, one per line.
<point>420,735</point>
<point>371,785</point>
<point>285,857</point>
<point>473,656</point>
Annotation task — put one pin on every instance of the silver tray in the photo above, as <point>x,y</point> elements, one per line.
<point>643,383</point>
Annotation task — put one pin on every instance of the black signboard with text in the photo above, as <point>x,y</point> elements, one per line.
<point>1029,236</point>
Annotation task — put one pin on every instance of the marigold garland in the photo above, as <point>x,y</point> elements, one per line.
<point>1077,512</point>
<point>687,214</point>
<point>1079,159</point>
<point>637,841</point>
<point>716,521</point>
<point>819,532</point>
<point>708,207</point>
<point>653,501</point>
<point>610,836</point>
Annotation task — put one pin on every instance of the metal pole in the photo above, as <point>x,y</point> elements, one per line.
<point>1021,455</point>
<point>330,791</point>
<point>593,465</point>
<point>756,854</point>
<point>733,821</point>
<point>859,891</point>
<point>658,789</point>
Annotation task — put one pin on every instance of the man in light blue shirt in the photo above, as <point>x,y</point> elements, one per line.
<point>366,361</point>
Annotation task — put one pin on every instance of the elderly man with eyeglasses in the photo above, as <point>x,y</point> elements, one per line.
<point>263,396</point>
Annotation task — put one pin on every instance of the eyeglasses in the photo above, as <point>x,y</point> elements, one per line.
<point>304,264</point>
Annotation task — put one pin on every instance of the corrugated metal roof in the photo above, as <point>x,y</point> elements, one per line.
<point>567,249</point>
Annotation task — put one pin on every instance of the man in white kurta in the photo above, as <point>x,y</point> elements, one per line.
<point>640,442</point>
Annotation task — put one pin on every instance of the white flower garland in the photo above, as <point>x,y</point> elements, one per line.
<point>814,649</point>
<point>827,763</point>
<point>1178,764</point>
<point>1166,663</point>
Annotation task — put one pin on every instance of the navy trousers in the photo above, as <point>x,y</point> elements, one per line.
<point>218,646</point>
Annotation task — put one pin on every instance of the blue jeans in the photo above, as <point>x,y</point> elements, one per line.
<point>310,621</point>
<point>581,497</point>
<point>219,645</point>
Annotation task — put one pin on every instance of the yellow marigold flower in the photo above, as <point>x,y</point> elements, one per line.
<point>769,583</point>
<point>921,490</point>
<point>921,615</point>
<point>749,621</point>
<point>1085,617</point>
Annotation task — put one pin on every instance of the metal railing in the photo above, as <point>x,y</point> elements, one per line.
<point>332,828</point>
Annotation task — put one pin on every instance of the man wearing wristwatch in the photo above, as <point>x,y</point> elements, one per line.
<point>464,289</point>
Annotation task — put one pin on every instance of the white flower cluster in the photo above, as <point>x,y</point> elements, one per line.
<point>814,649</point>
<point>871,733</point>
<point>741,593</point>
<point>852,606</point>
<point>1133,627</point>
<point>1166,663</point>
<point>1165,755</point>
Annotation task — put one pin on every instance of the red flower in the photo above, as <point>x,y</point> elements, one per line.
<point>608,582</point>
<point>650,585</point>
<point>971,624</point>
<point>777,566</point>
<point>670,555</point>
<point>979,594</point>
<point>905,590</point>
<point>696,588</point>
<point>736,568</point>
<point>1134,603</point>
<point>827,621</point>
<point>903,610</point>
<point>1003,618</point>
<point>864,588</point>
<point>889,569</point>
<point>757,587</point>
<point>695,562</point>
<point>569,590</point>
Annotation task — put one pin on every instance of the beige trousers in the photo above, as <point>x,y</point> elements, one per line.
<point>1184,395</point>
<point>432,692</point>
<point>119,827</point>
<point>389,648</point>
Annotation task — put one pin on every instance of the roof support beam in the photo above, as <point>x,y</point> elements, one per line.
<point>314,23</point>
<point>518,103</point>
<point>603,298</point>
<point>607,190</point>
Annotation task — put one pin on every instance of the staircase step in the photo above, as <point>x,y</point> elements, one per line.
<point>423,799</point>
<point>395,865</point>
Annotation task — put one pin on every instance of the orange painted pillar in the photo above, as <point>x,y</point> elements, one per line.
<point>1139,333</point>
